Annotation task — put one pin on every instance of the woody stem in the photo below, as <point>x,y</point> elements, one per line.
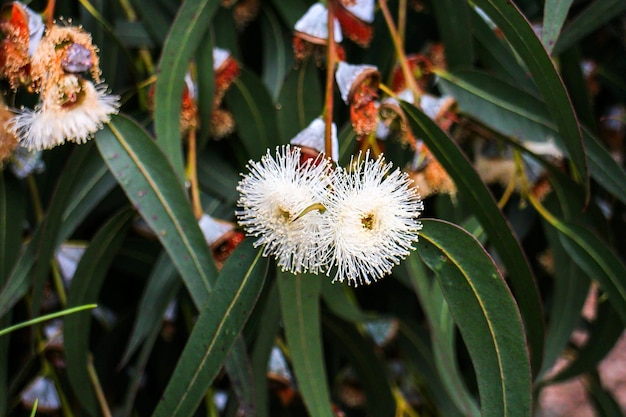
<point>397,43</point>
<point>330,72</point>
<point>48,13</point>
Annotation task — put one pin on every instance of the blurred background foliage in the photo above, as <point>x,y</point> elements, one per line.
<point>523,183</point>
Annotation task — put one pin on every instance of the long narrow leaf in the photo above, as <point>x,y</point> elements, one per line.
<point>520,34</point>
<point>500,235</point>
<point>299,303</point>
<point>215,331</point>
<point>184,36</point>
<point>486,314</point>
<point>84,289</point>
<point>151,185</point>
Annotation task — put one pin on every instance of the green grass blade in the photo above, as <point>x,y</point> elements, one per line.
<point>487,316</point>
<point>299,303</point>
<point>215,331</point>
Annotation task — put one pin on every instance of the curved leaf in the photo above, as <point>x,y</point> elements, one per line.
<point>218,326</point>
<point>486,211</point>
<point>151,185</point>
<point>183,38</point>
<point>443,337</point>
<point>84,289</point>
<point>487,316</point>
<point>520,34</point>
<point>299,303</point>
<point>589,19</point>
<point>518,113</point>
<point>454,24</point>
<point>254,114</point>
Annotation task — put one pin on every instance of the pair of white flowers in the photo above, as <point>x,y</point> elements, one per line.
<point>356,222</point>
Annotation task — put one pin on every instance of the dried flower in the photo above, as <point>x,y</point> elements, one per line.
<point>22,30</point>
<point>312,142</point>
<point>311,33</point>
<point>41,388</point>
<point>358,85</point>
<point>374,214</point>
<point>8,141</point>
<point>280,200</point>
<point>356,19</point>
<point>73,110</point>
<point>63,50</point>
<point>221,237</point>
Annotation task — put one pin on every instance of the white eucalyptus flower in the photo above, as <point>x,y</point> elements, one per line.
<point>280,199</point>
<point>373,215</point>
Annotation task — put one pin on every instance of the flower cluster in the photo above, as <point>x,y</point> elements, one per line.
<point>52,62</point>
<point>354,224</point>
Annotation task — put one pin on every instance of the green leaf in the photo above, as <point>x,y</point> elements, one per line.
<point>414,348</point>
<point>368,366</point>
<point>299,303</point>
<point>268,329</point>
<point>12,213</point>
<point>300,100</point>
<point>518,113</point>
<point>520,34</point>
<point>443,337</point>
<point>603,332</point>
<point>554,14</point>
<point>497,53</point>
<point>160,290</point>
<point>205,82</point>
<point>84,289</point>
<point>598,260</point>
<point>219,324</point>
<point>151,185</point>
<point>183,38</point>
<point>570,292</point>
<point>603,400</point>
<point>487,316</point>
<point>254,114</point>
<point>277,56</point>
<point>239,368</point>
<point>34,263</point>
<point>341,300</point>
<point>453,22</point>
<point>486,211</point>
<point>587,21</point>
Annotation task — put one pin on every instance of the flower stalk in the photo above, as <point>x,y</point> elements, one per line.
<point>331,56</point>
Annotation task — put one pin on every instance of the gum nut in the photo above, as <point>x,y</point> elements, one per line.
<point>213,229</point>
<point>363,9</point>
<point>349,77</point>
<point>76,59</point>
<point>313,137</point>
<point>313,24</point>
